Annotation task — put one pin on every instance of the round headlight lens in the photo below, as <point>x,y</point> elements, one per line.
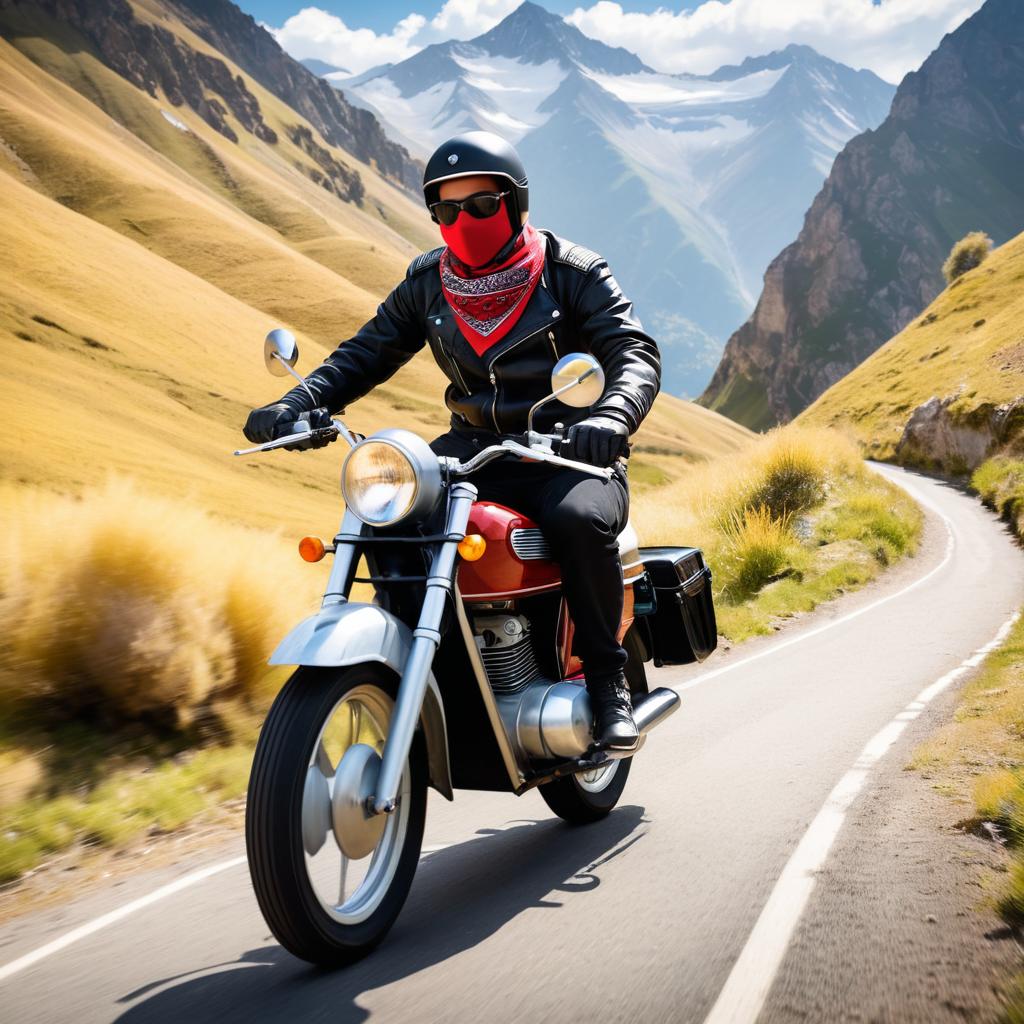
<point>379,483</point>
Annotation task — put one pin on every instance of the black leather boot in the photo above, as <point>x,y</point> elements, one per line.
<point>614,728</point>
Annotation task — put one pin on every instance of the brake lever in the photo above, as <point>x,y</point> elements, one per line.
<point>297,438</point>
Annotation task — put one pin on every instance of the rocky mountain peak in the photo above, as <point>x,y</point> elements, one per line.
<point>535,35</point>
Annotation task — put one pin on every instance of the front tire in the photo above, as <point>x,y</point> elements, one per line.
<point>322,905</point>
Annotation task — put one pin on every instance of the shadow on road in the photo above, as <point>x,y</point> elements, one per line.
<point>462,895</point>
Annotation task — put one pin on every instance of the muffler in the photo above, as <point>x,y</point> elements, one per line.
<point>654,708</point>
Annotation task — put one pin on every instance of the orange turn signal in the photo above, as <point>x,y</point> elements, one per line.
<point>472,547</point>
<point>311,549</point>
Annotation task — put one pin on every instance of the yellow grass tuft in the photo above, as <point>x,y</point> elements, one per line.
<point>126,606</point>
<point>758,549</point>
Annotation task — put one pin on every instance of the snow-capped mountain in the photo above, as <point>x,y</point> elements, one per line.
<point>688,184</point>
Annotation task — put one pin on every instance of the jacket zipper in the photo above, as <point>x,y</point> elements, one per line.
<point>494,379</point>
<point>452,363</point>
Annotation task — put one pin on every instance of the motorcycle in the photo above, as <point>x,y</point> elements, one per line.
<point>460,674</point>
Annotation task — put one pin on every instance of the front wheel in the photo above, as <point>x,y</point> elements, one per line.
<point>329,879</point>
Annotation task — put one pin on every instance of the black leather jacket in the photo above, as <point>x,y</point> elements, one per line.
<point>577,306</point>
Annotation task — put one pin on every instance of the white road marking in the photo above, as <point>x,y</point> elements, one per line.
<point>114,916</point>
<point>832,623</point>
<point>749,982</point>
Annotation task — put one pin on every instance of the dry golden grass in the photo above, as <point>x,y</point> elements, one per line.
<point>120,606</point>
<point>967,343</point>
<point>780,469</point>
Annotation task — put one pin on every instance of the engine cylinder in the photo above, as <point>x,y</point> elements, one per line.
<point>555,720</point>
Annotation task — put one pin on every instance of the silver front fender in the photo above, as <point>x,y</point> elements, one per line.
<point>351,633</point>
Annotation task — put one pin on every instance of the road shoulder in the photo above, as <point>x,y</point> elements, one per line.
<point>901,925</point>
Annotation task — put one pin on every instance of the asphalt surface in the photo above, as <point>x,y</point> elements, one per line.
<point>515,916</point>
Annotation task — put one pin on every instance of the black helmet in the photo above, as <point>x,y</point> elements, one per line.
<point>478,153</point>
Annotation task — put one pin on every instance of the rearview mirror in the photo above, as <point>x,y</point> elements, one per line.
<point>578,380</point>
<point>280,352</point>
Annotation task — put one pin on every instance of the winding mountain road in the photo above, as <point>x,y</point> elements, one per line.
<point>682,906</point>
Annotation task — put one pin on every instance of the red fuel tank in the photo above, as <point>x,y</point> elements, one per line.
<point>517,560</point>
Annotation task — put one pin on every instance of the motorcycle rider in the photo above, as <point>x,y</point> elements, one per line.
<point>499,303</point>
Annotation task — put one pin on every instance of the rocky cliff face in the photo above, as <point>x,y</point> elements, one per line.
<point>255,51</point>
<point>940,438</point>
<point>949,159</point>
<point>152,57</point>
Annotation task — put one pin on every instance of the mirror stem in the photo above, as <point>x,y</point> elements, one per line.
<point>298,377</point>
<point>554,394</point>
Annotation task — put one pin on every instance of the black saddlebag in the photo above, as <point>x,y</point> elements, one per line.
<point>682,624</point>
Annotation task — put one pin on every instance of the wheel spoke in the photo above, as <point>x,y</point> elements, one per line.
<point>357,720</point>
<point>323,761</point>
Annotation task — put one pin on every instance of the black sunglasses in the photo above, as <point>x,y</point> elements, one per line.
<point>481,206</point>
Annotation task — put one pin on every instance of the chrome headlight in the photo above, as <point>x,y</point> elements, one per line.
<point>389,477</point>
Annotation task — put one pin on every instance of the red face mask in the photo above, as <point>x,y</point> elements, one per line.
<point>476,242</point>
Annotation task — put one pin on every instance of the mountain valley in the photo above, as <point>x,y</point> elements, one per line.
<point>687,184</point>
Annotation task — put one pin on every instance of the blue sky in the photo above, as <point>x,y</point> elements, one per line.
<point>380,16</point>
<point>891,37</point>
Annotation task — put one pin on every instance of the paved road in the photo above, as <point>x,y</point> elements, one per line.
<point>641,917</point>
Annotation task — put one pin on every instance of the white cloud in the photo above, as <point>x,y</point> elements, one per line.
<point>891,37</point>
<point>317,33</point>
<point>464,19</point>
<point>314,32</point>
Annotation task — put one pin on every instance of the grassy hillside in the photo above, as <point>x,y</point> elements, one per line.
<point>968,346</point>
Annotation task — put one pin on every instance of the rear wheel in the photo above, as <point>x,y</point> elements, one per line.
<point>589,796</point>
<point>330,880</point>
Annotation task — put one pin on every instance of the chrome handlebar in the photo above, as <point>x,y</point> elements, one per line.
<point>530,453</point>
<point>540,449</point>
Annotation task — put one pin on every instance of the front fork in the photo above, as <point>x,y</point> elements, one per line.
<point>426,638</point>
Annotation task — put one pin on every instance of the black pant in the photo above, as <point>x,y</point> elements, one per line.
<point>581,516</point>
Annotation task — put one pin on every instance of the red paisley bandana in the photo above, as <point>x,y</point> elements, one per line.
<point>489,304</point>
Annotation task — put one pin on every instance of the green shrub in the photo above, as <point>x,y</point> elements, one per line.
<point>998,482</point>
<point>759,548</point>
<point>968,253</point>
<point>885,521</point>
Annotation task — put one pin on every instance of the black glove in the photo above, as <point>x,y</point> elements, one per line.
<point>599,440</point>
<point>270,422</point>
<point>263,423</point>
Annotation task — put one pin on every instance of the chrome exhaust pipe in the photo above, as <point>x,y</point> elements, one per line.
<point>654,708</point>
